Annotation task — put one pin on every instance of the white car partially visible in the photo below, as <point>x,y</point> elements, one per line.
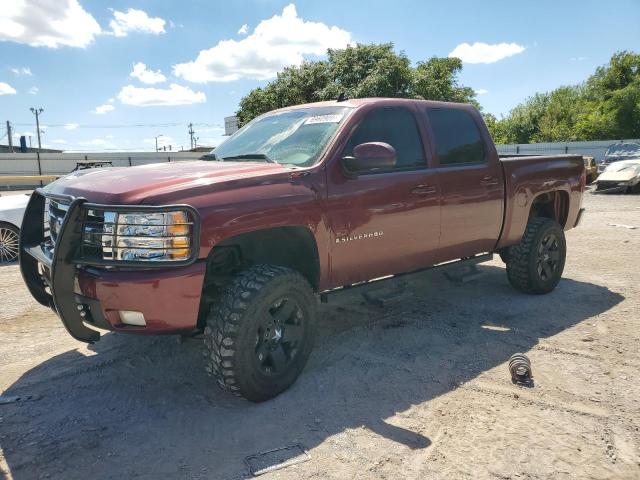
<point>12,209</point>
<point>620,176</point>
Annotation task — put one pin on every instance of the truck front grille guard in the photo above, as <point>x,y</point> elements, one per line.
<point>51,250</point>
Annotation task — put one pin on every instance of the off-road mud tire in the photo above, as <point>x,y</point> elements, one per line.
<point>522,262</point>
<point>231,332</point>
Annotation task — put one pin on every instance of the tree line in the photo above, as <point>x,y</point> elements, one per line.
<point>605,106</point>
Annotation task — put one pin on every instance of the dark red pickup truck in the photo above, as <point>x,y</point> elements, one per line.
<point>300,202</point>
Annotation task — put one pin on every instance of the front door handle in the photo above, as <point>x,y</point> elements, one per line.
<point>424,190</point>
<point>489,181</point>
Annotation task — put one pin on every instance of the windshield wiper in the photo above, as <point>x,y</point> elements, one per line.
<point>250,156</point>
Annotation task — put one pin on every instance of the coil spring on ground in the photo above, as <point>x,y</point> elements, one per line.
<point>520,368</point>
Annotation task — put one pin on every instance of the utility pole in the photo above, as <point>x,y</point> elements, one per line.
<point>37,112</point>
<point>158,136</point>
<point>191,132</point>
<point>9,134</point>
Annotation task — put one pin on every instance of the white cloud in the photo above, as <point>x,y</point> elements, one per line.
<point>578,59</point>
<point>150,77</point>
<point>6,89</point>
<point>482,91</point>
<point>33,90</point>
<point>50,24</point>
<point>174,95</point>
<point>135,21</point>
<point>102,109</point>
<point>71,126</point>
<point>59,141</point>
<point>22,71</point>
<point>243,30</point>
<point>481,52</point>
<point>280,41</point>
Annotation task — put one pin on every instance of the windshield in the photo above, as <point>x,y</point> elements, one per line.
<point>294,137</point>
<point>623,150</point>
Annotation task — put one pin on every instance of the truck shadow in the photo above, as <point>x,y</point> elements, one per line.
<point>143,407</point>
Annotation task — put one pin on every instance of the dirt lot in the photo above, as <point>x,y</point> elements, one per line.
<point>418,388</point>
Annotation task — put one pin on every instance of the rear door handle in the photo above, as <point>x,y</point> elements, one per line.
<point>489,181</point>
<point>424,190</point>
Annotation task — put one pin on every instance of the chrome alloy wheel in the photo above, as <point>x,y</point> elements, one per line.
<point>9,244</point>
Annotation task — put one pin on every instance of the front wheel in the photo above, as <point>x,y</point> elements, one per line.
<point>259,332</point>
<point>535,265</point>
<point>9,243</point>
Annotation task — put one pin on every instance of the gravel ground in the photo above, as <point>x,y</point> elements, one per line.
<point>418,388</point>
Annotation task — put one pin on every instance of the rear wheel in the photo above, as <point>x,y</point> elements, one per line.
<point>9,243</point>
<point>535,265</point>
<point>259,333</point>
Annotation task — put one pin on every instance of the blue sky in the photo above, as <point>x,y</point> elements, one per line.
<point>113,75</point>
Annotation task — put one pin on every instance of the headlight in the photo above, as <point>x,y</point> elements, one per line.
<point>139,236</point>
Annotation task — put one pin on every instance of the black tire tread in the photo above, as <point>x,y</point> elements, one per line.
<point>227,312</point>
<point>518,261</point>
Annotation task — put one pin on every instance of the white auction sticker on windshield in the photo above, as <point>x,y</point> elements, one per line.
<point>332,118</point>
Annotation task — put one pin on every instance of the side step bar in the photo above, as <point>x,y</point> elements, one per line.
<point>400,279</point>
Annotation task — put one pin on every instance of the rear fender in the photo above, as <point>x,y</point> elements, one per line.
<point>540,186</point>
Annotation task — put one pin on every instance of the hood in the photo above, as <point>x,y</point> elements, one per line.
<point>173,181</point>
<point>621,171</point>
<point>12,202</point>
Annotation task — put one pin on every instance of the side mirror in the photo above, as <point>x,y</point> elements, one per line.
<point>370,156</point>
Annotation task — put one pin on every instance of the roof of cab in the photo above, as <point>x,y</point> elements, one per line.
<point>358,102</point>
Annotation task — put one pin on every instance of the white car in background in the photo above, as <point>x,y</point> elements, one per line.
<point>620,176</point>
<point>12,209</point>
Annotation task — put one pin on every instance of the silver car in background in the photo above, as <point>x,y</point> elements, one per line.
<point>12,209</point>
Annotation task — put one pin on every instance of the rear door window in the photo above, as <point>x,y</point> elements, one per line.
<point>457,137</point>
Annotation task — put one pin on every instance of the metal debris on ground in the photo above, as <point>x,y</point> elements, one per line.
<point>630,227</point>
<point>520,369</point>
<point>276,459</point>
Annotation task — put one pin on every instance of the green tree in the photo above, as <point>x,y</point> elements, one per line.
<point>367,71</point>
<point>293,85</point>
<point>359,71</point>
<point>437,79</point>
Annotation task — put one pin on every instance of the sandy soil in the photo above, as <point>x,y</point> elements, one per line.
<point>418,388</point>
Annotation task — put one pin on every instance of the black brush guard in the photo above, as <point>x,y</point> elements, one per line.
<point>60,280</point>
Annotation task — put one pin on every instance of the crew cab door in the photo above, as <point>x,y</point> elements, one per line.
<point>471,181</point>
<point>383,222</point>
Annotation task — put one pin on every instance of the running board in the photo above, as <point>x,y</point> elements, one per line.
<point>463,271</point>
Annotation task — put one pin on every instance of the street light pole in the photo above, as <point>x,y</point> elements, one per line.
<point>37,112</point>
<point>157,141</point>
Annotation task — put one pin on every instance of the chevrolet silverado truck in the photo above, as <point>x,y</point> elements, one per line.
<point>299,203</point>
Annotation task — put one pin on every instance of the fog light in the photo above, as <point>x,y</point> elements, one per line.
<point>130,317</point>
